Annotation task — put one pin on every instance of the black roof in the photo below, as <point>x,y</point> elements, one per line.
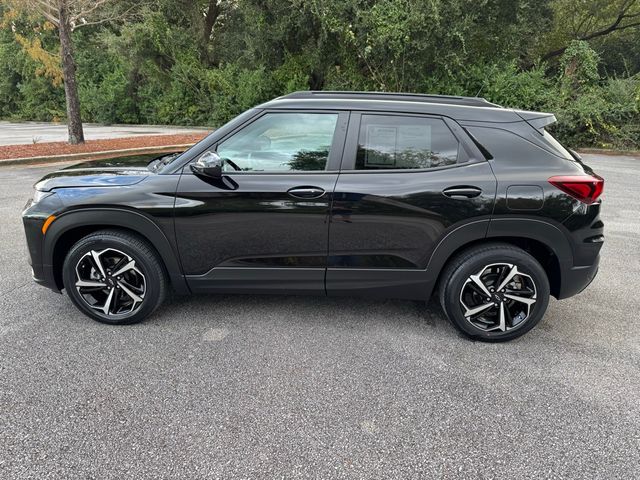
<point>470,109</point>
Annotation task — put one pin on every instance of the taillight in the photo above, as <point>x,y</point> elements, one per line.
<point>586,188</point>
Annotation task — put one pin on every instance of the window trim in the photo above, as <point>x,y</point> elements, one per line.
<point>335,151</point>
<point>466,154</point>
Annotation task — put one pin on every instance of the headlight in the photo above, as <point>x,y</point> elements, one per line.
<point>39,196</point>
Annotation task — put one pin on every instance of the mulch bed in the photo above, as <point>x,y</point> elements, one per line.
<point>63,148</point>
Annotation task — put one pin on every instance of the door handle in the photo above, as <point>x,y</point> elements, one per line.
<point>306,192</point>
<point>462,191</point>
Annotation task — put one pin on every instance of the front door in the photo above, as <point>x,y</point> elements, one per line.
<point>406,182</point>
<point>264,226</point>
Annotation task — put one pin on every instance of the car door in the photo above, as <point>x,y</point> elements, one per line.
<point>263,227</point>
<point>407,181</point>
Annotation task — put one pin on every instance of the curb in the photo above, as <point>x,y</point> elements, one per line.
<point>123,125</point>
<point>606,151</point>
<point>93,155</point>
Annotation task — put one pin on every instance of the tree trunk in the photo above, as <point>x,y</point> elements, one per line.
<point>74,122</point>
<point>213,12</point>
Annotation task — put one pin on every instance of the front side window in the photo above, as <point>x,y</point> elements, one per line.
<point>399,142</point>
<point>281,142</point>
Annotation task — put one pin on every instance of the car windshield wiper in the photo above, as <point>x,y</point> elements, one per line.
<point>160,162</point>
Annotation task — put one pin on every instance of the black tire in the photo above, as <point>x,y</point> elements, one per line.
<point>148,264</point>
<point>457,275</point>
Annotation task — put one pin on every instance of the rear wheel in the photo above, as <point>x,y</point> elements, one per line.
<point>494,292</point>
<point>114,277</point>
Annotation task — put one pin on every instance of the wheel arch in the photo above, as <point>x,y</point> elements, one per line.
<point>544,241</point>
<point>70,227</point>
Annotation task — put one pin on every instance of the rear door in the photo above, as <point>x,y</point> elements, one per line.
<point>406,182</point>
<point>264,226</point>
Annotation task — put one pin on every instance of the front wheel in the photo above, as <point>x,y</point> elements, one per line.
<point>114,277</point>
<point>495,292</point>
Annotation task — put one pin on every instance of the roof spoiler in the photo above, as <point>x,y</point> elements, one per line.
<point>537,120</point>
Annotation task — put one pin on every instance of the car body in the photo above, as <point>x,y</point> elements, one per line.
<point>338,193</point>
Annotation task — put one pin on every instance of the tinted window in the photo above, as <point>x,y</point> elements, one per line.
<point>555,144</point>
<point>506,145</point>
<point>397,142</point>
<point>282,142</point>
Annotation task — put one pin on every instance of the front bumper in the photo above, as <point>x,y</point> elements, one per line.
<point>33,218</point>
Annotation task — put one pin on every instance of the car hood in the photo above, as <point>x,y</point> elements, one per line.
<point>113,172</point>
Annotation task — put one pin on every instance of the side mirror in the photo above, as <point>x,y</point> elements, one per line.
<point>208,165</point>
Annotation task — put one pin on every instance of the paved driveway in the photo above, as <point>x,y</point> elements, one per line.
<point>34,132</point>
<point>287,387</point>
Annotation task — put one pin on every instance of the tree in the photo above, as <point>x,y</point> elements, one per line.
<point>212,12</point>
<point>66,16</point>
<point>589,19</point>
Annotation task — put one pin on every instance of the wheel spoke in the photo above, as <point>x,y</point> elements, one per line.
<point>512,273</point>
<point>126,290</point>
<point>117,300</point>
<point>119,263</point>
<point>508,316</point>
<point>96,259</point>
<point>470,312</point>
<point>129,266</point>
<point>89,283</point>
<point>523,290</point>
<point>503,319</point>
<point>107,303</point>
<point>526,301</point>
<point>476,289</point>
<point>476,279</point>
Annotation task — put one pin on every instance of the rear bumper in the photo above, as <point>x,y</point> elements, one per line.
<point>576,279</point>
<point>586,236</point>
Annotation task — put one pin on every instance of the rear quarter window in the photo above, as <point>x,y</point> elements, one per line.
<point>556,145</point>
<point>503,144</point>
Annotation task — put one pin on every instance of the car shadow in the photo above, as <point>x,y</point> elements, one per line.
<point>345,312</point>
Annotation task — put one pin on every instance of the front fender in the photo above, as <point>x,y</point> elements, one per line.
<point>117,218</point>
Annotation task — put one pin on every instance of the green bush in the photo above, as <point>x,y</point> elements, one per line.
<point>606,115</point>
<point>157,68</point>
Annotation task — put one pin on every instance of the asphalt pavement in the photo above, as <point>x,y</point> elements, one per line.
<point>39,132</point>
<point>307,387</point>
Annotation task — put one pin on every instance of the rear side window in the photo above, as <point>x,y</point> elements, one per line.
<point>404,142</point>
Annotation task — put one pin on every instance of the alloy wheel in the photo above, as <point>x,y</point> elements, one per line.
<point>498,298</point>
<point>110,282</point>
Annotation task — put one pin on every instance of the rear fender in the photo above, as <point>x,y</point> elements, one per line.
<point>535,229</point>
<point>547,234</point>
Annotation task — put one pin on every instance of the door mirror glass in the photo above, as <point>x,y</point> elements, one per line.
<point>209,165</point>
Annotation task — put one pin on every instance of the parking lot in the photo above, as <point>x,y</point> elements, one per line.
<point>36,132</point>
<point>289,387</point>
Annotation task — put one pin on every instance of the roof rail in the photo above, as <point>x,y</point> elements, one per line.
<point>407,97</point>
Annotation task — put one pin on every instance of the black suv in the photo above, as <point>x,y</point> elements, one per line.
<point>333,193</point>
